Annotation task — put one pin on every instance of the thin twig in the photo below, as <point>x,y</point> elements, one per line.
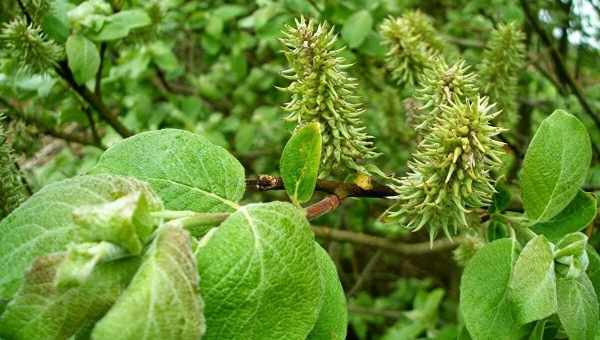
<point>559,63</point>
<point>386,244</point>
<point>365,273</point>
<point>98,83</point>
<point>92,123</point>
<point>341,189</point>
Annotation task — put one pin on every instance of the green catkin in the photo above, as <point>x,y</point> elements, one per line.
<point>439,85</point>
<point>322,91</point>
<point>412,44</point>
<point>502,59</point>
<point>29,46</point>
<point>12,190</point>
<point>451,171</point>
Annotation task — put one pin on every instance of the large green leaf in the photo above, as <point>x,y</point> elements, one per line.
<point>300,160</point>
<point>44,223</point>
<point>357,28</point>
<point>83,58</point>
<point>260,275</point>
<point>41,311</point>
<point>484,295</point>
<point>578,307</point>
<point>575,217</point>
<point>118,25</point>
<point>162,301</point>
<point>333,315</point>
<point>555,165</point>
<point>533,283</point>
<point>186,170</point>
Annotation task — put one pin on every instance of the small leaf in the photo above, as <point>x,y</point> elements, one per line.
<point>44,223</point>
<point>538,330</point>
<point>300,162</point>
<point>357,28</point>
<point>119,25</point>
<point>571,256</point>
<point>593,269</point>
<point>578,307</point>
<point>186,170</point>
<point>555,166</point>
<point>259,275</point>
<point>484,298</point>
<point>575,217</point>
<point>333,314</point>
<point>56,28</point>
<point>162,300</point>
<point>83,58</point>
<point>533,282</point>
<point>40,310</point>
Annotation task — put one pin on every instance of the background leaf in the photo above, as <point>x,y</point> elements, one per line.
<point>575,217</point>
<point>555,165</point>
<point>186,170</point>
<point>162,301</point>
<point>300,162</point>
<point>260,276</point>
<point>357,28</point>
<point>484,298</point>
<point>44,223</point>
<point>578,307</point>
<point>83,58</point>
<point>41,311</point>
<point>533,282</point>
<point>333,314</point>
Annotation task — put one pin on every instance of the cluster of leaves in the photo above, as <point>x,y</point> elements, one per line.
<point>127,249</point>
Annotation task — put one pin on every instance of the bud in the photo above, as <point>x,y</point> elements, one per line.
<point>321,91</point>
<point>451,171</point>
<point>29,46</point>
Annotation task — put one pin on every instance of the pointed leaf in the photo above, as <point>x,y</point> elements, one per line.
<point>83,58</point>
<point>357,28</point>
<point>162,300</point>
<point>260,276</point>
<point>578,307</point>
<point>484,300</point>
<point>186,170</point>
<point>555,165</point>
<point>44,223</point>
<point>333,314</point>
<point>42,311</point>
<point>575,217</point>
<point>533,283</point>
<point>300,162</point>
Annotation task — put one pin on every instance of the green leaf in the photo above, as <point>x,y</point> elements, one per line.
<point>44,223</point>
<point>333,314</point>
<point>538,330</point>
<point>228,12</point>
<point>299,163</point>
<point>578,307</point>
<point>56,29</point>
<point>555,166</point>
<point>186,170</point>
<point>162,300</point>
<point>593,269</point>
<point>357,28</point>
<point>570,255</point>
<point>260,276</point>
<point>41,311</point>
<point>119,25</point>
<point>83,58</point>
<point>484,296</point>
<point>533,282</point>
<point>575,217</point>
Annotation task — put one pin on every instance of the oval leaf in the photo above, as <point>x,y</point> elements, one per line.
<point>533,283</point>
<point>44,223</point>
<point>186,170</point>
<point>41,311</point>
<point>162,300</point>
<point>300,162</point>
<point>484,298</point>
<point>260,276</point>
<point>578,307</point>
<point>333,315</point>
<point>357,28</point>
<point>575,217</point>
<point>83,58</point>
<point>555,165</point>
